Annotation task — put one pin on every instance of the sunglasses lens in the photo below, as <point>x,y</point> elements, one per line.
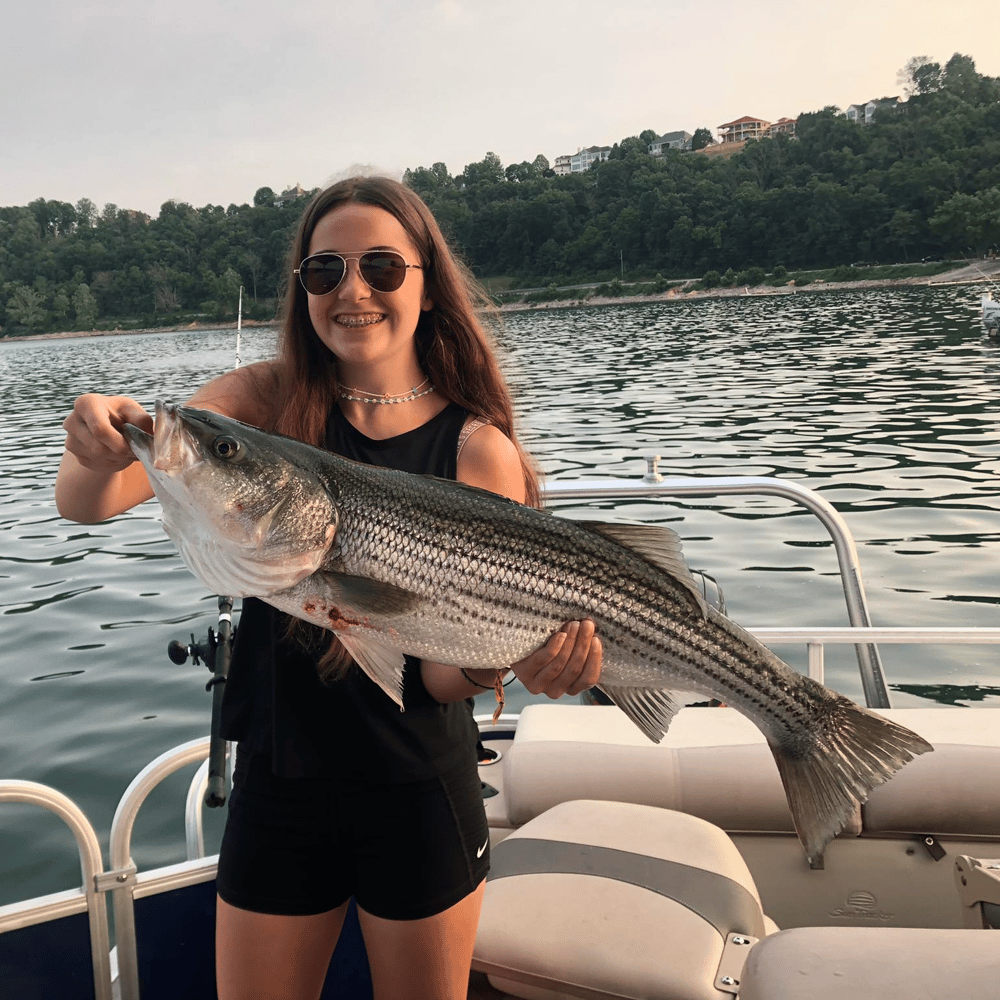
<point>320,275</point>
<point>383,271</point>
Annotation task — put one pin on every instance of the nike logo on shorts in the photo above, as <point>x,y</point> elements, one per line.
<point>482,850</point>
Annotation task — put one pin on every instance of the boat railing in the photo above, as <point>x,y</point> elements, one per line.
<point>816,639</point>
<point>123,869</point>
<point>653,485</point>
<point>59,905</point>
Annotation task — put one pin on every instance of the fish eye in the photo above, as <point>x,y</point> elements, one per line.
<point>225,447</point>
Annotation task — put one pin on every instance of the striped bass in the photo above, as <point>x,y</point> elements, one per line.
<point>395,563</point>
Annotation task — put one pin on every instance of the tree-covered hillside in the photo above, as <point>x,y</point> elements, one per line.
<point>918,181</point>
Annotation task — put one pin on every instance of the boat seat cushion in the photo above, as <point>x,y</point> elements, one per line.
<point>609,899</point>
<point>877,963</point>
<point>950,792</point>
<point>712,763</point>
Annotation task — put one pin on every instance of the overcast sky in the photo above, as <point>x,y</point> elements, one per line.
<point>205,101</point>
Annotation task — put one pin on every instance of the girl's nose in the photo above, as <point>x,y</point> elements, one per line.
<point>352,284</point>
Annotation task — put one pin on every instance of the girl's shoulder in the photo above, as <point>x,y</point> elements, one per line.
<point>490,460</point>
<point>249,394</point>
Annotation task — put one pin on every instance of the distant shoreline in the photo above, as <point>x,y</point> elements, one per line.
<point>967,274</point>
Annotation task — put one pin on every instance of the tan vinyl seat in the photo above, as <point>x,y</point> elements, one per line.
<point>874,963</point>
<point>611,899</point>
<point>713,763</point>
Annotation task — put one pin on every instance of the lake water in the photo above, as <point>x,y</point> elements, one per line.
<point>885,401</point>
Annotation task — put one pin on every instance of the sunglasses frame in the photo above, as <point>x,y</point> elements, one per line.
<point>357,255</point>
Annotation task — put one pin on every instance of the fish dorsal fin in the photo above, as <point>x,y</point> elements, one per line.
<point>657,545</point>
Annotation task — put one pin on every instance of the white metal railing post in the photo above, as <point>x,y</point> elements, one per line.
<point>122,866</point>
<point>91,867</point>
<point>816,667</point>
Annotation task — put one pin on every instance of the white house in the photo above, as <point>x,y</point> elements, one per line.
<point>864,114</point>
<point>670,140</point>
<point>583,159</point>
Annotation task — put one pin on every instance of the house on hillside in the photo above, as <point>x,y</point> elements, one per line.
<point>670,140</point>
<point>562,165</point>
<point>864,114</point>
<point>584,159</point>
<point>784,126</point>
<point>290,194</point>
<point>742,129</point>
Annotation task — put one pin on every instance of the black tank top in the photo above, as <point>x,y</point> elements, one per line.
<point>275,704</point>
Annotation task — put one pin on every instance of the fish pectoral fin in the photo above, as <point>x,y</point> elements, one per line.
<point>651,709</point>
<point>657,545</point>
<point>366,596</point>
<point>382,663</point>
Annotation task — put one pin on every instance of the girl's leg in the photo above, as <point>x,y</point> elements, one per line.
<point>426,959</point>
<point>263,956</point>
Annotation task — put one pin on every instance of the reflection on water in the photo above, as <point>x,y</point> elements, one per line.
<point>950,694</point>
<point>884,401</point>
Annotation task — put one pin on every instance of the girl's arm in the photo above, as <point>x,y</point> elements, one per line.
<point>570,662</point>
<point>99,477</point>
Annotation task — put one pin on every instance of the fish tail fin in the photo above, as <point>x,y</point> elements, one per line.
<point>831,770</point>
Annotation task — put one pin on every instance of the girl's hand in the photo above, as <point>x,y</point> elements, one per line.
<point>570,662</point>
<point>94,431</point>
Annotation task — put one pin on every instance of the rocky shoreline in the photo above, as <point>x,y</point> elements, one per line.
<point>987,270</point>
<point>967,274</point>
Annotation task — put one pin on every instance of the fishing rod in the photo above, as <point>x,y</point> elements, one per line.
<point>216,652</point>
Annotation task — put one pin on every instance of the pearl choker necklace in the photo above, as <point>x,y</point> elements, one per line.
<point>346,392</point>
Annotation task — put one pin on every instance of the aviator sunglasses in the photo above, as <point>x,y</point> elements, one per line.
<point>382,270</point>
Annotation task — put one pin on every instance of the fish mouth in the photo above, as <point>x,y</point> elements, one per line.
<point>170,449</point>
<point>140,442</point>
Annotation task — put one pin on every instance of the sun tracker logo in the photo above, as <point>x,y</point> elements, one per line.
<point>860,905</point>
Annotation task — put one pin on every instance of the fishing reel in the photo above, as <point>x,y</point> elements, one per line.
<point>199,652</point>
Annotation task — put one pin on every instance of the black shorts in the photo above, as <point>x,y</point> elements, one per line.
<point>305,845</point>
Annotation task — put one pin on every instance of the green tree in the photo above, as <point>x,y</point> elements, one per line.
<point>702,137</point>
<point>919,76</point>
<point>489,170</point>
<point>25,306</point>
<point>969,221</point>
<point>86,213</point>
<point>84,307</point>
<point>60,305</point>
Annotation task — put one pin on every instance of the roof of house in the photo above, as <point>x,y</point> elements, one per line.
<point>745,120</point>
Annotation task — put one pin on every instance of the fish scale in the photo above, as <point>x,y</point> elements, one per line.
<point>399,564</point>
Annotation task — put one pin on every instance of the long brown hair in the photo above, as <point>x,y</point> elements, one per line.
<point>454,339</point>
<point>454,342</point>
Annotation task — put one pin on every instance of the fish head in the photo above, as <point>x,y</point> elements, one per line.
<point>248,518</point>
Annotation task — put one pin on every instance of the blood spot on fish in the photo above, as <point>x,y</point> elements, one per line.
<point>339,622</point>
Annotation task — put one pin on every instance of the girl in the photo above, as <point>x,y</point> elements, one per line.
<point>336,793</point>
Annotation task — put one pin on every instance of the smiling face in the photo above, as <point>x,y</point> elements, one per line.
<point>362,326</point>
